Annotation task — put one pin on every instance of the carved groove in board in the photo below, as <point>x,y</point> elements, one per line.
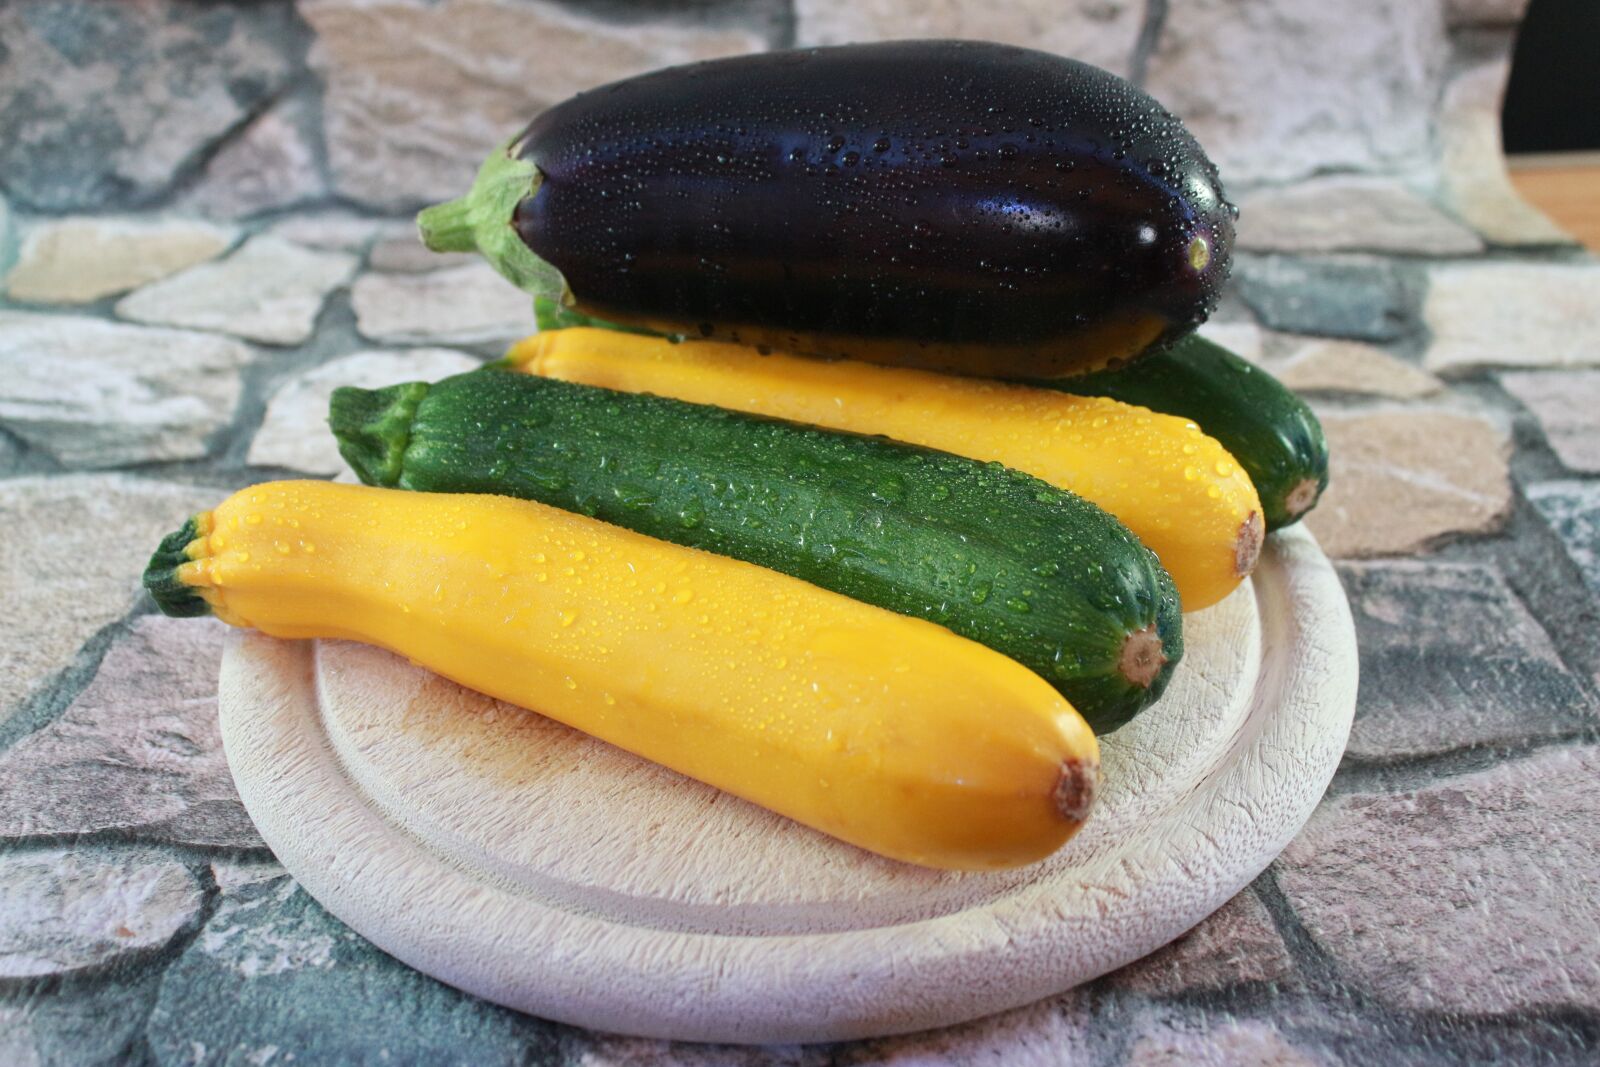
<point>778,877</point>
<point>543,869</point>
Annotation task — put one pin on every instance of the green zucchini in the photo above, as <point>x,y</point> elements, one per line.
<point>1271,432</point>
<point>993,554</point>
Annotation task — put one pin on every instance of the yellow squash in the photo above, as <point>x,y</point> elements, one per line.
<point>1178,490</point>
<point>883,730</point>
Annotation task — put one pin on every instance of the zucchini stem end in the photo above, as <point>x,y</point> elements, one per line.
<point>1075,789</point>
<point>172,595</point>
<point>1142,657</point>
<point>373,428</point>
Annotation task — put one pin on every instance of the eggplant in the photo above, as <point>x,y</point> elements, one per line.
<point>954,205</point>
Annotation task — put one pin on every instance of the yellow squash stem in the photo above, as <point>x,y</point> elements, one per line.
<point>1178,490</point>
<point>883,730</point>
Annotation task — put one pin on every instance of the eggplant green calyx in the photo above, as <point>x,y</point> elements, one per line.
<point>549,314</point>
<point>481,222</point>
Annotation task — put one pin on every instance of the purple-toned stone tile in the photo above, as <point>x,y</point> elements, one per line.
<point>1472,894</point>
<point>1402,480</point>
<point>1451,658</point>
<point>138,752</point>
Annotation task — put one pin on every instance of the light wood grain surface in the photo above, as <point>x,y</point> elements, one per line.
<point>1566,187</point>
<point>530,864</point>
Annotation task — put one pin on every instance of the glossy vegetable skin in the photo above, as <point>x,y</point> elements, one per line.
<point>1037,574</point>
<point>957,205</point>
<point>1177,489</point>
<point>885,731</point>
<point>1271,432</point>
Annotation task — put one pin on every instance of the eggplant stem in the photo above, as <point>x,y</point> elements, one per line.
<point>448,227</point>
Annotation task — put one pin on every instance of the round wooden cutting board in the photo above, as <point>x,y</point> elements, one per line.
<point>532,865</point>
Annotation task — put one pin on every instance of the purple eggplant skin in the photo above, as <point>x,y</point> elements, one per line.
<point>955,205</point>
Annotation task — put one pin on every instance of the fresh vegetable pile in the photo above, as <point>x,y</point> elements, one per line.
<point>755,502</point>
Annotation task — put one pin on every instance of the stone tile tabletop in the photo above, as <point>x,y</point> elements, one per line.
<point>204,229</point>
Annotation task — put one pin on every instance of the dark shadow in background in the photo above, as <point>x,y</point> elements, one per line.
<point>1553,98</point>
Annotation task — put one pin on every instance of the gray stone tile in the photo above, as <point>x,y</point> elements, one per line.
<point>1473,894</point>
<point>1362,297</point>
<point>1573,510</point>
<point>418,94</point>
<point>1053,1031</point>
<point>1101,33</point>
<point>1276,93</point>
<point>92,393</point>
<point>1325,365</point>
<point>271,164</point>
<point>272,970</point>
<point>269,290</point>
<point>295,431</point>
<point>70,560</point>
<point>88,1023</point>
<point>1219,1042</point>
<point>1402,480</point>
<point>115,99</point>
<point>1243,339</point>
<point>1484,12</point>
<point>469,304</point>
<point>1512,314</point>
<point>1236,944</point>
<point>138,752</point>
<point>613,1050</point>
<point>1064,1029</point>
<point>1450,658</point>
<point>1345,213</point>
<point>1338,1027</point>
<point>10,454</point>
<point>1567,405</point>
<point>340,231</point>
<point>7,228</point>
<point>405,254</point>
<point>73,910</point>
